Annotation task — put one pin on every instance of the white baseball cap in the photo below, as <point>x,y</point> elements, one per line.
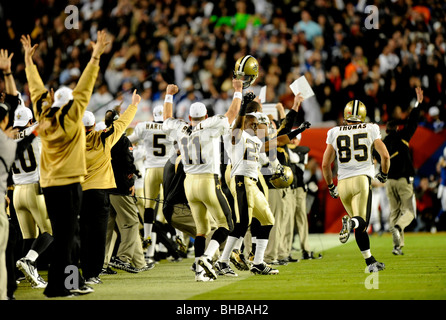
<point>434,111</point>
<point>22,115</point>
<point>158,113</point>
<point>88,119</point>
<point>62,96</point>
<point>197,110</point>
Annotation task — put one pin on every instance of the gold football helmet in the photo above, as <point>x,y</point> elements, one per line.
<point>283,178</point>
<point>355,111</point>
<point>247,70</point>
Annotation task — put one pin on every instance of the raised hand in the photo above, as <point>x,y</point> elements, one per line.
<point>136,98</point>
<point>237,85</point>
<point>419,92</point>
<point>171,89</point>
<point>29,50</point>
<point>298,98</point>
<point>100,44</point>
<point>5,61</point>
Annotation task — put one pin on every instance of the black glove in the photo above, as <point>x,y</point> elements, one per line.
<point>333,191</point>
<point>381,177</point>
<point>304,126</point>
<point>248,98</point>
<point>293,134</point>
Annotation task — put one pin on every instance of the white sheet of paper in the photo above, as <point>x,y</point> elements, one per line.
<point>301,85</point>
<point>262,94</point>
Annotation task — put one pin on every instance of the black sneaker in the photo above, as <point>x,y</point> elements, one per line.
<point>263,269</point>
<point>224,269</point>
<point>93,280</point>
<point>148,266</point>
<point>82,290</point>
<point>376,266</point>
<point>107,270</point>
<point>121,265</point>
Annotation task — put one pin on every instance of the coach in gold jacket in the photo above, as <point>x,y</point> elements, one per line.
<point>96,187</point>
<point>63,164</point>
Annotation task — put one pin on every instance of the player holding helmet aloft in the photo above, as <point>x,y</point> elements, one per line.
<point>249,200</point>
<point>200,147</point>
<point>351,144</point>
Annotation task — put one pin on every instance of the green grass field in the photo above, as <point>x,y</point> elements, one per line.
<point>420,274</point>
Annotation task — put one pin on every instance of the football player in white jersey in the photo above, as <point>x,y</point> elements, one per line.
<point>200,146</point>
<point>351,145</point>
<point>29,201</point>
<point>250,201</point>
<point>159,148</point>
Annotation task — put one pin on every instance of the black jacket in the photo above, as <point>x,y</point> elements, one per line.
<point>397,143</point>
<point>123,165</point>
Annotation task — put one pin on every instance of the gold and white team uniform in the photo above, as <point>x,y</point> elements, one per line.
<point>28,199</point>
<point>200,148</point>
<point>158,150</point>
<point>353,146</point>
<point>245,157</point>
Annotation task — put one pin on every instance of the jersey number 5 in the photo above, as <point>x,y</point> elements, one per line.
<point>345,148</point>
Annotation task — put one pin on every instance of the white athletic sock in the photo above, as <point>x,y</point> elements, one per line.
<point>238,243</point>
<point>260,250</point>
<point>151,249</point>
<point>32,255</point>
<point>366,254</point>
<point>212,248</point>
<point>230,242</point>
<point>147,229</point>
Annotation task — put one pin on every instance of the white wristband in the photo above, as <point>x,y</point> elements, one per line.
<point>416,104</point>
<point>168,98</point>
<point>237,95</point>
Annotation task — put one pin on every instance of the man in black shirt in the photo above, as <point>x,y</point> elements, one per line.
<point>399,185</point>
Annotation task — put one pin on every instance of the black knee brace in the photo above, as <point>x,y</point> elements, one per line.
<point>149,215</point>
<point>362,225</point>
<point>220,235</point>
<point>199,245</point>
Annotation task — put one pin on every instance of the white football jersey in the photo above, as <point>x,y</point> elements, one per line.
<point>156,142</point>
<point>353,145</point>
<point>200,146</point>
<point>245,156</point>
<point>25,169</point>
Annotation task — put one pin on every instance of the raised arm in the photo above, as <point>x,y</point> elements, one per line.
<point>35,83</point>
<point>288,121</point>
<point>125,119</point>
<point>236,101</point>
<point>84,88</point>
<point>284,138</point>
<point>412,122</point>
<point>5,66</point>
<point>171,90</point>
